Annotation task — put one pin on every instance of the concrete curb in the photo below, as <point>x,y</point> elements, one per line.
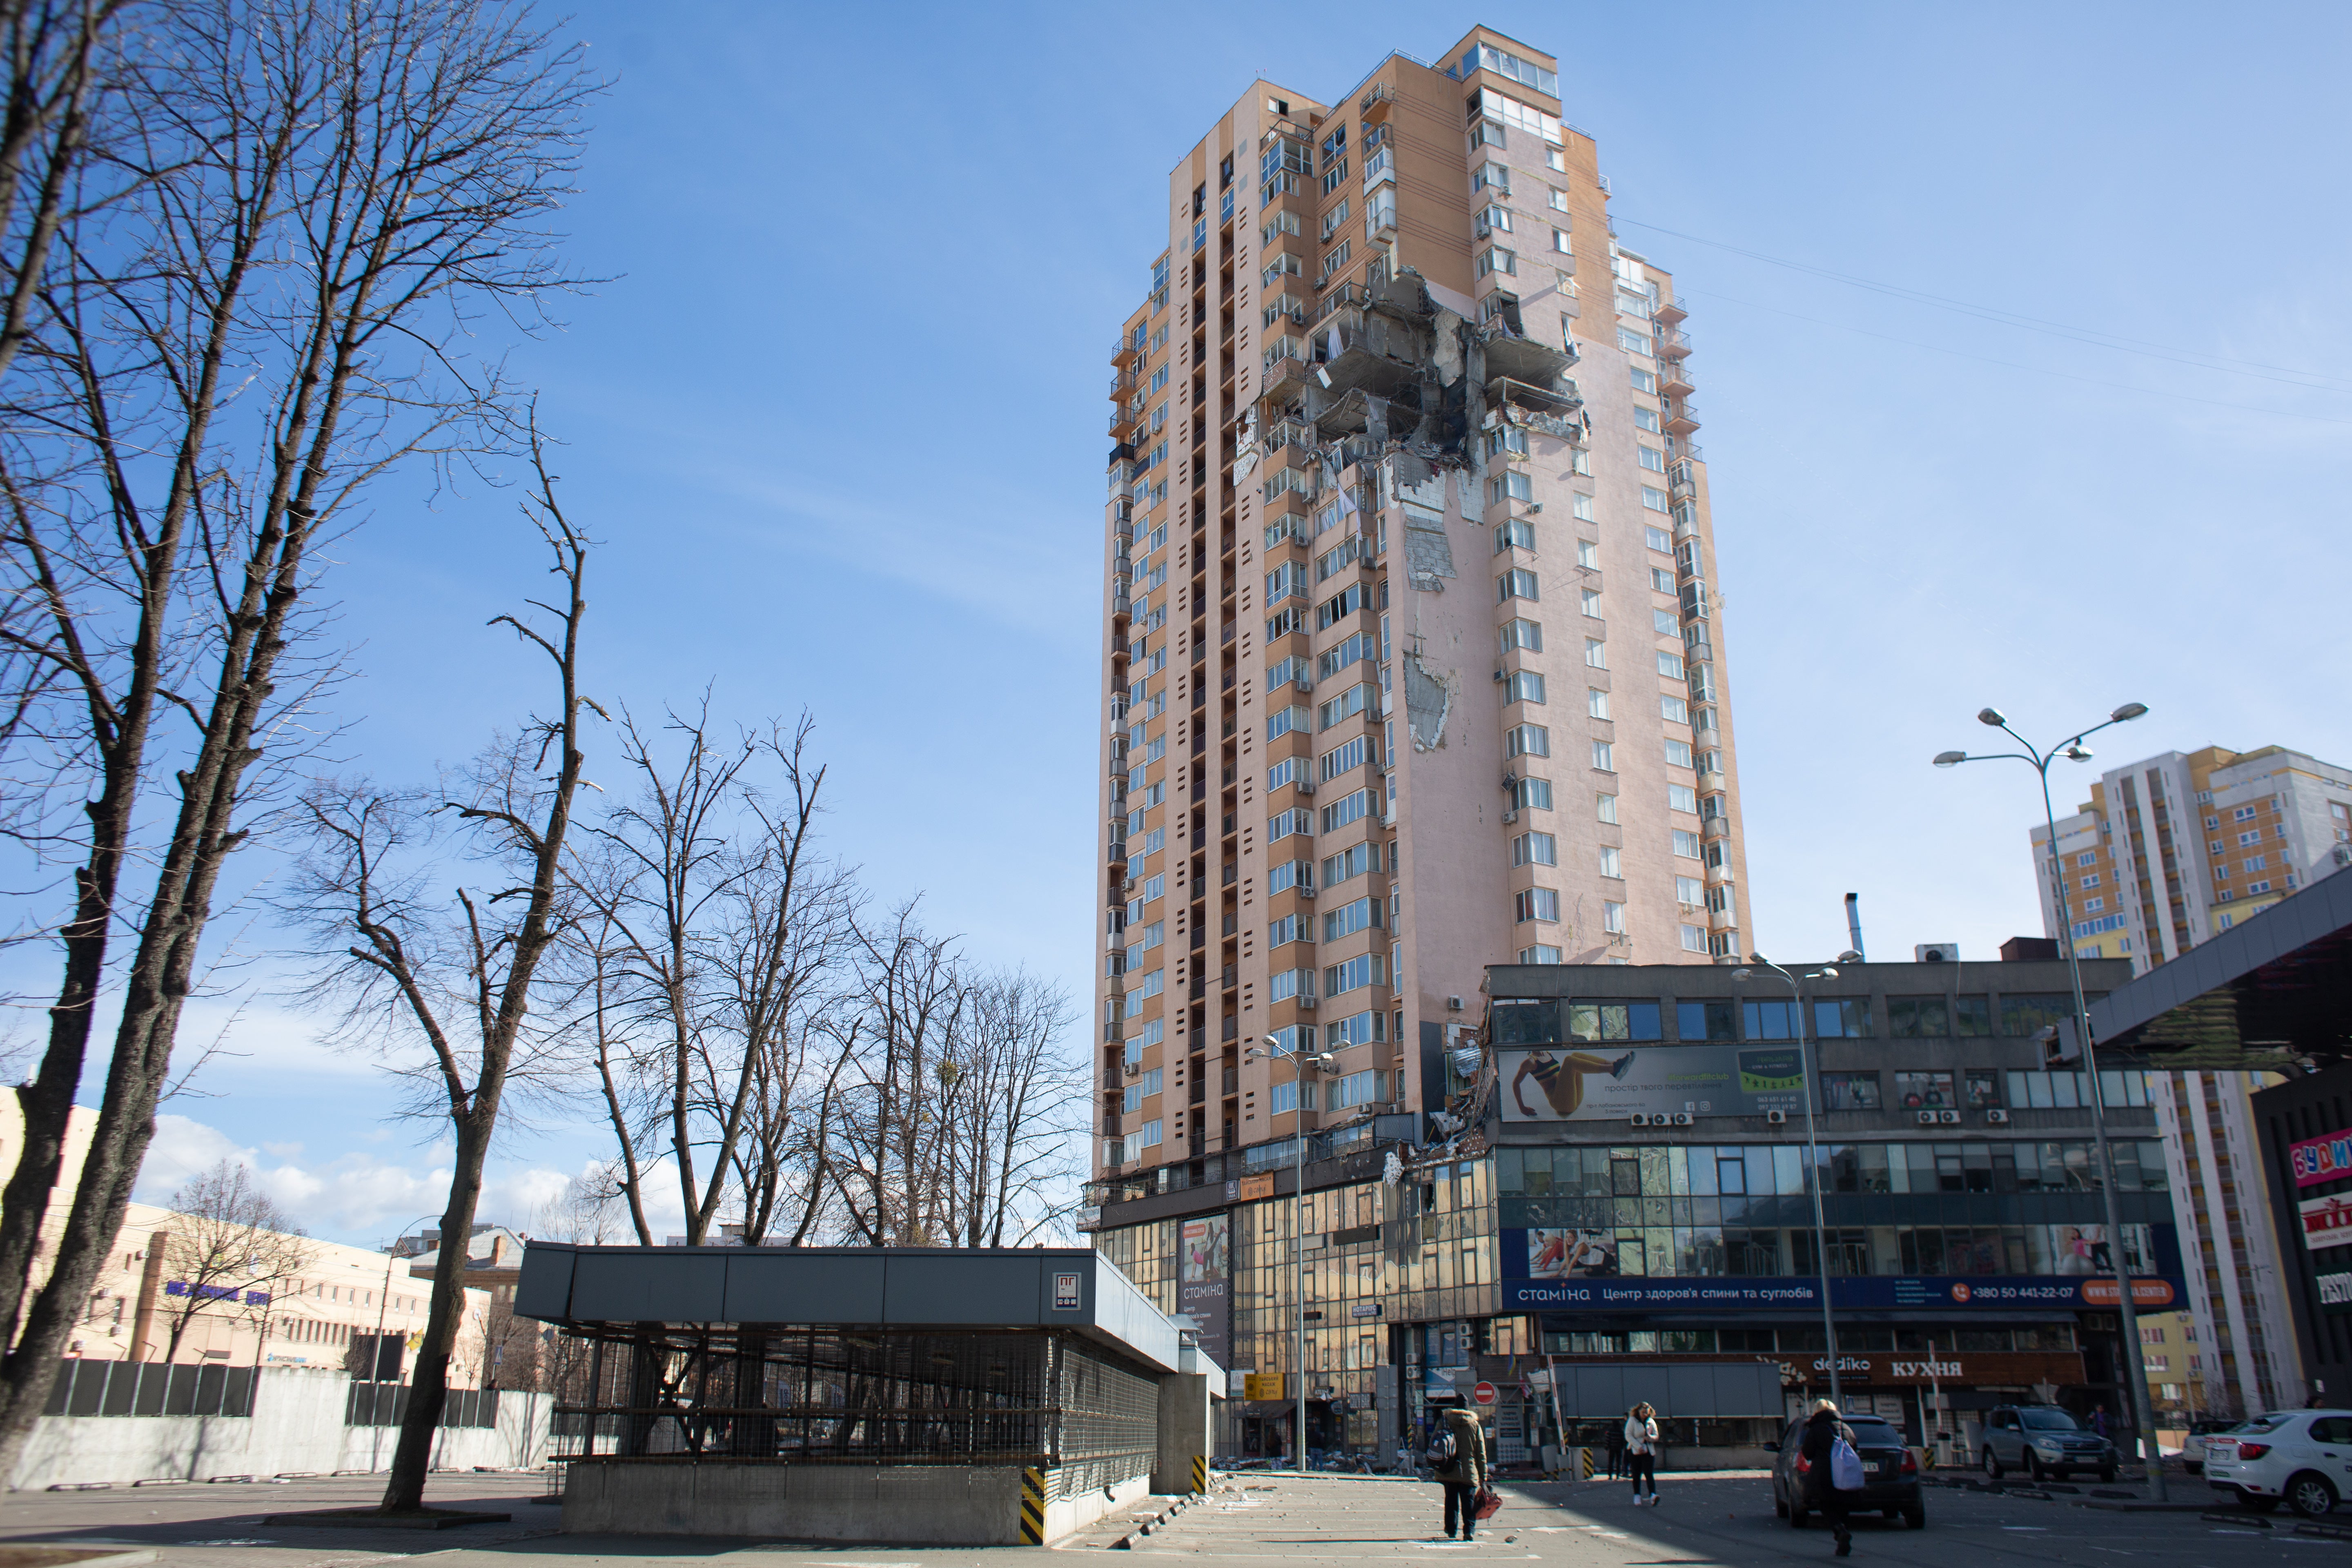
<point>369,1518</point>
<point>1146,1526</point>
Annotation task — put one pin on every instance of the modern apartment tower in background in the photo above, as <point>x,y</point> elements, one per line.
<point>1411,663</point>
<point>2168,852</point>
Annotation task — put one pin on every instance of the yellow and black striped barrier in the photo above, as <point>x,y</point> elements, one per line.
<point>1199,1472</point>
<point>1587,1466</point>
<point>1033,1507</point>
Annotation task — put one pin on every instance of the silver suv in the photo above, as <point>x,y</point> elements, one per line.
<point>2044,1441</point>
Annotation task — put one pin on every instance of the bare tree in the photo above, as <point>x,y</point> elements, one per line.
<point>885,1160</point>
<point>328,190</point>
<point>232,1252</point>
<point>454,981</point>
<point>1018,1119</point>
<point>718,949</point>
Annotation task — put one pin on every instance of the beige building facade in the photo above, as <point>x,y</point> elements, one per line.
<point>2169,852</point>
<point>298,1302</point>
<point>1413,651</point>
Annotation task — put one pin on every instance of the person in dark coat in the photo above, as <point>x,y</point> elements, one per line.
<point>1823,1429</point>
<point>1464,1475</point>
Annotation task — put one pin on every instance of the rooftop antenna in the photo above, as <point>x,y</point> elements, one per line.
<point>1853,922</point>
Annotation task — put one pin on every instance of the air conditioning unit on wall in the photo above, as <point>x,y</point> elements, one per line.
<point>1997,1115</point>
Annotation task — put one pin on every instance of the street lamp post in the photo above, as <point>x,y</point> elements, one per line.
<point>1813,1161</point>
<point>1298,1063</point>
<point>383,1302</point>
<point>2134,1368</point>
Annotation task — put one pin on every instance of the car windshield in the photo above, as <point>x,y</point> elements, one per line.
<point>2261,1423</point>
<point>1870,1434</point>
<point>2048,1421</point>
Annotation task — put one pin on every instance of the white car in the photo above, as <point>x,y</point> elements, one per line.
<point>2300,1457</point>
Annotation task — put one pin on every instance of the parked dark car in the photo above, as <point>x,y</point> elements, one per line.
<point>2044,1441</point>
<point>1890,1484</point>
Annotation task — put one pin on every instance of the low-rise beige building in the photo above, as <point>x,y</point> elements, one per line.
<point>288,1300</point>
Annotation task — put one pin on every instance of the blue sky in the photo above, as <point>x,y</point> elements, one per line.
<point>839,418</point>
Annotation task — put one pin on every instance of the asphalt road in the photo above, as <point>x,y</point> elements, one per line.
<point>1703,1522</point>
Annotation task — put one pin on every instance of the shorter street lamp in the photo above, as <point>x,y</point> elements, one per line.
<point>1812,1159</point>
<point>1322,1061</point>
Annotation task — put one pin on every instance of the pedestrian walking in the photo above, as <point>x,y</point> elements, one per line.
<point>1823,1433</point>
<point>1641,1452</point>
<point>1457,1462</point>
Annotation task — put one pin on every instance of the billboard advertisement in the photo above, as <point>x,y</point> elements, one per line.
<point>1606,1083</point>
<point>1204,1272</point>
<point>2317,1159</point>
<point>2326,1222</point>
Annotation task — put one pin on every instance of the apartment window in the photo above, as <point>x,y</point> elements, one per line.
<point>1495,178</point>
<point>1647,419</point>
<point>1523,686</point>
<point>1509,486</point>
<point>1596,703</point>
<point>1532,795</point>
<point>1588,553</point>
<point>1603,754</point>
<point>1515,533</point>
<point>1670,665</point>
<point>1592,602</point>
<point>1354,975</point>
<point>2253,837</point>
<point>1634,343</point>
<point>1582,506</point>
<point>1535,850</point>
<point>1661,580</point>
<point>2245,814</point>
<point>2092,880</point>
<point>1363,914</point>
<point>1539,953</point>
<point>1559,242</point>
<point>1290,983</point>
<point>1609,867</point>
<point>1596,653</point>
<point>1673,710</point>
<point>1347,705</point>
<point>1693,941</point>
<point>1495,260</point>
<point>1682,797</point>
<point>1557,199</point>
<point>1658,539</point>
<point>1604,807</point>
<point>1687,843</point>
<point>1653,500</point>
<point>1343,759</point>
<point>1491,219</point>
<point>1612,918</point>
<point>1282,932</point>
<point>1527,741</point>
<point>1651,457</point>
<point>1523,634</point>
<point>1537,904</point>
<point>1554,159</point>
<point>1679,754</point>
<point>1663,622</point>
<point>1644,381</point>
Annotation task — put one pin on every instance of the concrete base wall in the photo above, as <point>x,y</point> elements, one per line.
<point>1185,1418</point>
<point>296,1424</point>
<point>935,1505</point>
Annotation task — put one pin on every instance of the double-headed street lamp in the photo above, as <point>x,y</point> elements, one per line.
<point>1812,1157</point>
<point>1299,1062</point>
<point>2135,1366</point>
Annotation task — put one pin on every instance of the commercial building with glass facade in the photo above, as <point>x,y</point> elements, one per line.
<point>1630,1195</point>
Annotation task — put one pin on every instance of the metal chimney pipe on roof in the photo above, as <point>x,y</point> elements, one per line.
<point>1853,921</point>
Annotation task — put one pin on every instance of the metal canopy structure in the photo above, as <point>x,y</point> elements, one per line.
<point>935,1289</point>
<point>1043,1358</point>
<point>2273,993</point>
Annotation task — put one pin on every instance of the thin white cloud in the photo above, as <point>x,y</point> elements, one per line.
<point>357,1197</point>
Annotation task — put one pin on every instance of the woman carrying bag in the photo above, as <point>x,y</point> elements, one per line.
<point>1641,1452</point>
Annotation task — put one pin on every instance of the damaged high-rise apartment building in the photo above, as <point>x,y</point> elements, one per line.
<point>1413,659</point>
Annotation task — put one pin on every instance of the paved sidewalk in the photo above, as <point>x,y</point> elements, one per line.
<point>1712,1520</point>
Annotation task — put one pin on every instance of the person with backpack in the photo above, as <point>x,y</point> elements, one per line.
<point>1832,1468</point>
<point>1457,1462</point>
<point>1642,1451</point>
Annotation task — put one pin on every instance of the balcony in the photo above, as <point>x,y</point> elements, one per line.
<point>1668,313</point>
<point>1712,783</point>
<point>1672,344</point>
<point>1673,378</point>
<point>1376,101</point>
<point>1679,450</point>
<point>1681,420</point>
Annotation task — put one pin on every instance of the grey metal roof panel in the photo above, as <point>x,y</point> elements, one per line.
<point>928,1287</point>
